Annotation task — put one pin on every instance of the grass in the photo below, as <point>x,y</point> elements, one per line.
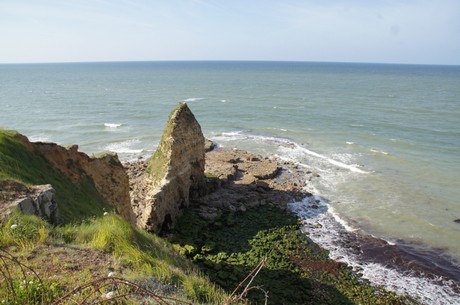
<point>141,255</point>
<point>296,272</point>
<point>85,231</point>
<point>77,200</point>
<point>24,231</point>
<point>145,254</point>
<point>87,243</point>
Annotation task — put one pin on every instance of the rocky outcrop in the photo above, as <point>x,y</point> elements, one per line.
<point>106,172</point>
<point>174,174</point>
<point>37,200</point>
<point>41,202</point>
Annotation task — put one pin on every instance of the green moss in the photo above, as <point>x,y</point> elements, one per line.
<point>77,200</point>
<point>296,272</point>
<point>158,163</point>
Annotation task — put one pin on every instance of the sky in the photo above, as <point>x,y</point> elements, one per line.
<point>377,31</point>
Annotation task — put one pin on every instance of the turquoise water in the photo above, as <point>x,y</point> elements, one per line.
<point>385,139</point>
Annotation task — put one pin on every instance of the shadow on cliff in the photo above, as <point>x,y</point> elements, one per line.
<point>228,247</point>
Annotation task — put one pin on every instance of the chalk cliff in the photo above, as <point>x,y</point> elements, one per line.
<point>174,174</point>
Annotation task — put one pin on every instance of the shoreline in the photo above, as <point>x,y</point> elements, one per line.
<point>376,260</point>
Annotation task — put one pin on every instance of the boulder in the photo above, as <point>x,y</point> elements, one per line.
<point>174,175</point>
<point>37,200</point>
<point>41,202</point>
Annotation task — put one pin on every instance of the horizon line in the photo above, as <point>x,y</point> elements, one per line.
<point>223,60</point>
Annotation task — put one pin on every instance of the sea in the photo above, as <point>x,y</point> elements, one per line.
<point>384,140</point>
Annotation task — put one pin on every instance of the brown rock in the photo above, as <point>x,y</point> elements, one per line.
<point>106,172</point>
<point>175,173</point>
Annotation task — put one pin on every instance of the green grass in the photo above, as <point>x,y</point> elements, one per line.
<point>81,210</point>
<point>141,254</point>
<point>296,272</point>
<point>76,200</point>
<point>23,231</point>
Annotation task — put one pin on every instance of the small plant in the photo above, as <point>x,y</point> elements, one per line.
<point>20,284</point>
<point>23,230</point>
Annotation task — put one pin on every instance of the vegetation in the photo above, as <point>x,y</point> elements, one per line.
<point>88,230</point>
<point>296,272</point>
<point>157,165</point>
<point>92,244</point>
<point>77,200</point>
<point>140,256</point>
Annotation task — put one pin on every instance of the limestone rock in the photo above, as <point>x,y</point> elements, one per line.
<point>175,173</point>
<point>106,172</point>
<point>37,200</point>
<point>41,202</point>
<point>240,166</point>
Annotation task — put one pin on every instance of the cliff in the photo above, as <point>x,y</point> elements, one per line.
<point>174,174</point>
<point>84,184</point>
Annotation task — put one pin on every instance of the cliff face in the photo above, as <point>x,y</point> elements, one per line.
<point>174,174</point>
<point>106,172</point>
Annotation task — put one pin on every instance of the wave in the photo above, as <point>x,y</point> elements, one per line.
<point>39,138</point>
<point>124,147</point>
<point>112,125</point>
<point>364,254</point>
<point>378,151</point>
<point>286,144</point>
<point>193,99</point>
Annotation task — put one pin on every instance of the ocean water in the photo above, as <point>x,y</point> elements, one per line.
<point>384,139</point>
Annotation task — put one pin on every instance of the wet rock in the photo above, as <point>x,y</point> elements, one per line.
<point>209,145</point>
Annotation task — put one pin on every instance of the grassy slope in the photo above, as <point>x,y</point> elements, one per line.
<point>140,254</point>
<point>77,200</point>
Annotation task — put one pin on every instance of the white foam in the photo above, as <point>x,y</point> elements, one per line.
<point>39,138</point>
<point>335,162</point>
<point>124,147</point>
<point>327,229</point>
<point>350,143</point>
<point>378,151</point>
<point>193,99</point>
<point>223,101</point>
<point>287,144</point>
<point>112,125</point>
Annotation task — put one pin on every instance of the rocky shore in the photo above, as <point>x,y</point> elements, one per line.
<point>238,180</point>
<point>224,208</point>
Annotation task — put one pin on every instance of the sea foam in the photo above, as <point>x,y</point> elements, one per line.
<point>124,147</point>
<point>112,125</point>
<point>286,144</point>
<point>193,99</point>
<point>327,229</point>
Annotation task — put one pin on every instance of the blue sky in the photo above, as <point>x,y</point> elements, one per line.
<point>404,31</point>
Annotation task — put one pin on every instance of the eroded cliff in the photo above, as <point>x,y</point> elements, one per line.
<point>106,174</point>
<point>174,174</point>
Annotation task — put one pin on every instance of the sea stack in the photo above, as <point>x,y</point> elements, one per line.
<point>175,173</point>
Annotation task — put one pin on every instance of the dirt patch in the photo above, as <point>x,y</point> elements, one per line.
<point>70,265</point>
